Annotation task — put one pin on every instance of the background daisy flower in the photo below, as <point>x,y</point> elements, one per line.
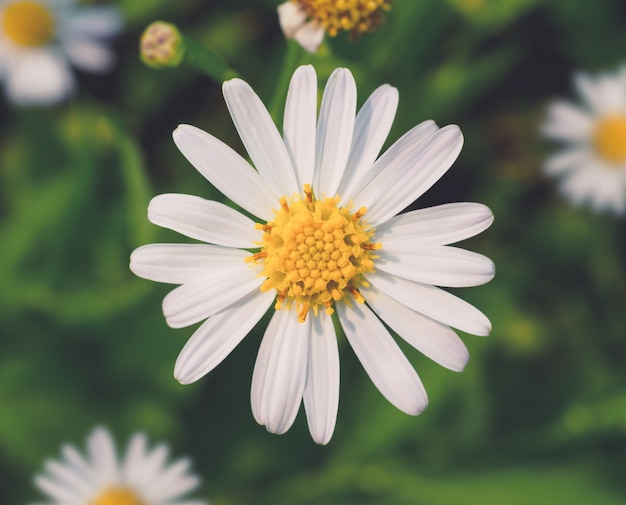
<point>306,21</point>
<point>39,39</point>
<point>592,164</point>
<point>141,477</point>
<point>329,241</point>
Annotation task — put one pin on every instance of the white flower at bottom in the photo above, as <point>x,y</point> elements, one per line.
<point>592,165</point>
<point>328,241</point>
<point>142,477</point>
<point>40,38</point>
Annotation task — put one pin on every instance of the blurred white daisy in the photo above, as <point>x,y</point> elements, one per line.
<point>328,242</point>
<point>306,21</point>
<point>40,38</point>
<point>591,166</point>
<point>142,477</point>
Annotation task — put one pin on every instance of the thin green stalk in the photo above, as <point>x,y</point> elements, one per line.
<point>293,57</point>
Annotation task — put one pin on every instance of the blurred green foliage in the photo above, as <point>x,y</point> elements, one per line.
<point>538,416</point>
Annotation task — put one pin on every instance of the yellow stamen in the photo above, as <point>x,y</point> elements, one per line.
<point>609,139</point>
<point>372,247</point>
<point>28,23</point>
<point>354,16</point>
<point>308,192</point>
<point>359,214</point>
<point>314,253</point>
<point>118,496</point>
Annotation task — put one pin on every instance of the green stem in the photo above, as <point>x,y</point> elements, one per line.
<point>293,57</point>
<point>207,62</point>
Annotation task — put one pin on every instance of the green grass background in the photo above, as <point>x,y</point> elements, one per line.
<point>539,414</point>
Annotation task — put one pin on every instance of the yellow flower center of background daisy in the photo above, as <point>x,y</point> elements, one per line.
<point>314,252</point>
<point>355,16</point>
<point>118,496</point>
<point>27,23</point>
<point>609,139</point>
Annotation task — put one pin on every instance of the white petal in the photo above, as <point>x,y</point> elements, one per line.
<point>398,185</point>
<point>280,371</point>
<point>69,478</point>
<point>602,186</point>
<point>371,129</point>
<point>89,56</point>
<point>136,453</point>
<point>181,263</point>
<point>205,220</point>
<point>310,35</point>
<point>291,17</point>
<point>150,468</point>
<point>382,359</point>
<point>604,94</point>
<point>433,302</point>
<point>93,22</point>
<point>57,491</point>
<point>321,393</point>
<point>78,463</point>
<point>226,170</point>
<point>334,132</point>
<point>392,158</point>
<point>438,265</point>
<point>101,451</point>
<point>198,299</point>
<point>567,160</point>
<point>299,122</point>
<point>440,225</point>
<point>260,137</point>
<point>172,482</point>
<point>219,335</point>
<point>435,340</point>
<point>567,122</point>
<point>39,77</point>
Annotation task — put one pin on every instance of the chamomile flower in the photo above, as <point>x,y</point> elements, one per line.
<point>39,39</point>
<point>142,477</point>
<point>306,21</point>
<point>328,242</point>
<point>591,166</point>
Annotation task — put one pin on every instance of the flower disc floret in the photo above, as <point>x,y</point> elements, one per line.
<point>28,23</point>
<point>118,496</point>
<point>609,139</point>
<point>314,253</point>
<point>354,16</point>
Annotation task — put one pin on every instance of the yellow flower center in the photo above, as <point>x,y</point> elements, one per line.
<point>354,16</point>
<point>314,253</point>
<point>609,139</point>
<point>118,496</point>
<point>28,23</point>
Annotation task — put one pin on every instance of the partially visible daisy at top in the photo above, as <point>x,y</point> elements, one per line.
<point>40,39</point>
<point>591,166</point>
<point>142,476</point>
<point>306,21</point>
<point>328,242</point>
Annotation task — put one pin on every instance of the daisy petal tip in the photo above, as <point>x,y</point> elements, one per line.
<point>455,132</point>
<point>486,330</point>
<point>419,405</point>
<point>182,375</point>
<point>321,438</point>
<point>460,362</point>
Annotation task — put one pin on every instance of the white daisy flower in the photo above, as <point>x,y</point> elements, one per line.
<point>328,241</point>
<point>142,477</point>
<point>40,38</point>
<point>591,166</point>
<point>306,21</point>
